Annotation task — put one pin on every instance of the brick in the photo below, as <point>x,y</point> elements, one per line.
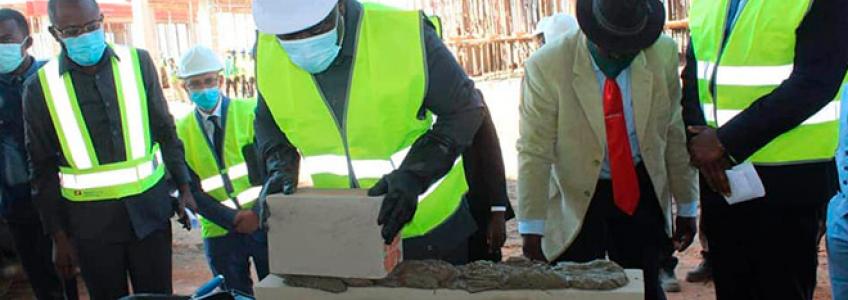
<point>272,287</point>
<point>329,233</point>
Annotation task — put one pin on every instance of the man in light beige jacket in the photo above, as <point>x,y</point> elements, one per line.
<point>615,83</point>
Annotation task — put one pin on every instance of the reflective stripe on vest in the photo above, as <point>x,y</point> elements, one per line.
<point>757,57</point>
<point>107,178</point>
<point>75,145</point>
<point>216,181</point>
<point>131,97</point>
<point>245,198</point>
<point>238,116</point>
<point>85,178</point>
<point>386,93</point>
<point>829,113</point>
<point>337,165</point>
<point>744,76</point>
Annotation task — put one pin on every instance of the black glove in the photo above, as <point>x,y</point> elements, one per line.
<point>401,190</point>
<point>276,183</point>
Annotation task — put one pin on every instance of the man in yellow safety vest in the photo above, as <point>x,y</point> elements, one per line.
<point>766,74</point>
<point>353,88</point>
<point>218,137</point>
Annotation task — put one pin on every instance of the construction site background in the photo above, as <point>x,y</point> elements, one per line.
<point>490,38</point>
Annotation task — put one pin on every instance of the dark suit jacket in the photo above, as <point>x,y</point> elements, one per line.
<point>486,186</point>
<point>821,60</point>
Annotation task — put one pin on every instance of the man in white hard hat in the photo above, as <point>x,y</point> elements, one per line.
<point>353,88</point>
<point>552,27</point>
<point>218,138</point>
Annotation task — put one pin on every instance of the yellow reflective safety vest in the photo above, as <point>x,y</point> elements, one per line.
<point>756,58</point>
<point>437,24</point>
<point>225,179</point>
<point>85,178</point>
<point>386,92</point>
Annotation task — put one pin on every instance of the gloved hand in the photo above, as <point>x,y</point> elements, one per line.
<point>276,183</point>
<point>401,190</point>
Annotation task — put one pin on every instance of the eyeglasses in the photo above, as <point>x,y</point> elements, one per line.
<point>72,31</point>
<point>197,84</point>
<point>330,22</point>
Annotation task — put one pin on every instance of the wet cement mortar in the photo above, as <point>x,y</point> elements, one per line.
<point>481,276</point>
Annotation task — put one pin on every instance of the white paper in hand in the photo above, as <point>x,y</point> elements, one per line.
<point>193,218</point>
<point>745,184</point>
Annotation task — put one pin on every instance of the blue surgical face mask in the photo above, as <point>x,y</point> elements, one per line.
<point>206,99</point>
<point>314,54</point>
<point>86,49</point>
<point>11,57</point>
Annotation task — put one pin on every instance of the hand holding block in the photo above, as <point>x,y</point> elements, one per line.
<point>331,233</point>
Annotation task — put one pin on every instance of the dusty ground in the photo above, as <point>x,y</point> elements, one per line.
<point>190,268</point>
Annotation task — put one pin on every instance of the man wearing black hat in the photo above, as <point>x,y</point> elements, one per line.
<point>602,145</point>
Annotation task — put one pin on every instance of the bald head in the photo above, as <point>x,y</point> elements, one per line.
<point>65,13</point>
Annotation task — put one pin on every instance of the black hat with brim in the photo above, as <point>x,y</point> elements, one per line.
<point>610,34</point>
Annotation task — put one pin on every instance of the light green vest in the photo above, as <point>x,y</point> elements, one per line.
<point>228,181</point>
<point>757,58</point>
<point>437,23</point>
<point>85,178</point>
<point>386,92</point>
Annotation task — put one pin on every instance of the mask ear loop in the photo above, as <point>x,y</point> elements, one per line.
<point>340,26</point>
<point>22,49</point>
<point>24,42</point>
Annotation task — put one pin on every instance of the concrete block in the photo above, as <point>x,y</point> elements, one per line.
<point>273,287</point>
<point>330,233</point>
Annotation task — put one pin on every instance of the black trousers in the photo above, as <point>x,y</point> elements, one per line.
<point>105,266</point>
<point>634,242</point>
<point>457,255</point>
<point>767,248</point>
<point>35,250</point>
<point>447,242</point>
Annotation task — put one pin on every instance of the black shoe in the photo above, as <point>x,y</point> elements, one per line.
<point>668,280</point>
<point>703,272</point>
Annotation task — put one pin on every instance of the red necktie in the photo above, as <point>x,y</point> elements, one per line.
<point>625,185</point>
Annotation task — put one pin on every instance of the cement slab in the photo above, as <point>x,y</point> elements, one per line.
<point>273,288</point>
<point>331,233</point>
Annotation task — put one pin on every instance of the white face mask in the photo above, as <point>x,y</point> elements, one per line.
<point>315,54</point>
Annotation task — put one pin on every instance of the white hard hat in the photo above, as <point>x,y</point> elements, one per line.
<point>543,23</point>
<point>199,60</point>
<point>290,16</point>
<point>555,26</point>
